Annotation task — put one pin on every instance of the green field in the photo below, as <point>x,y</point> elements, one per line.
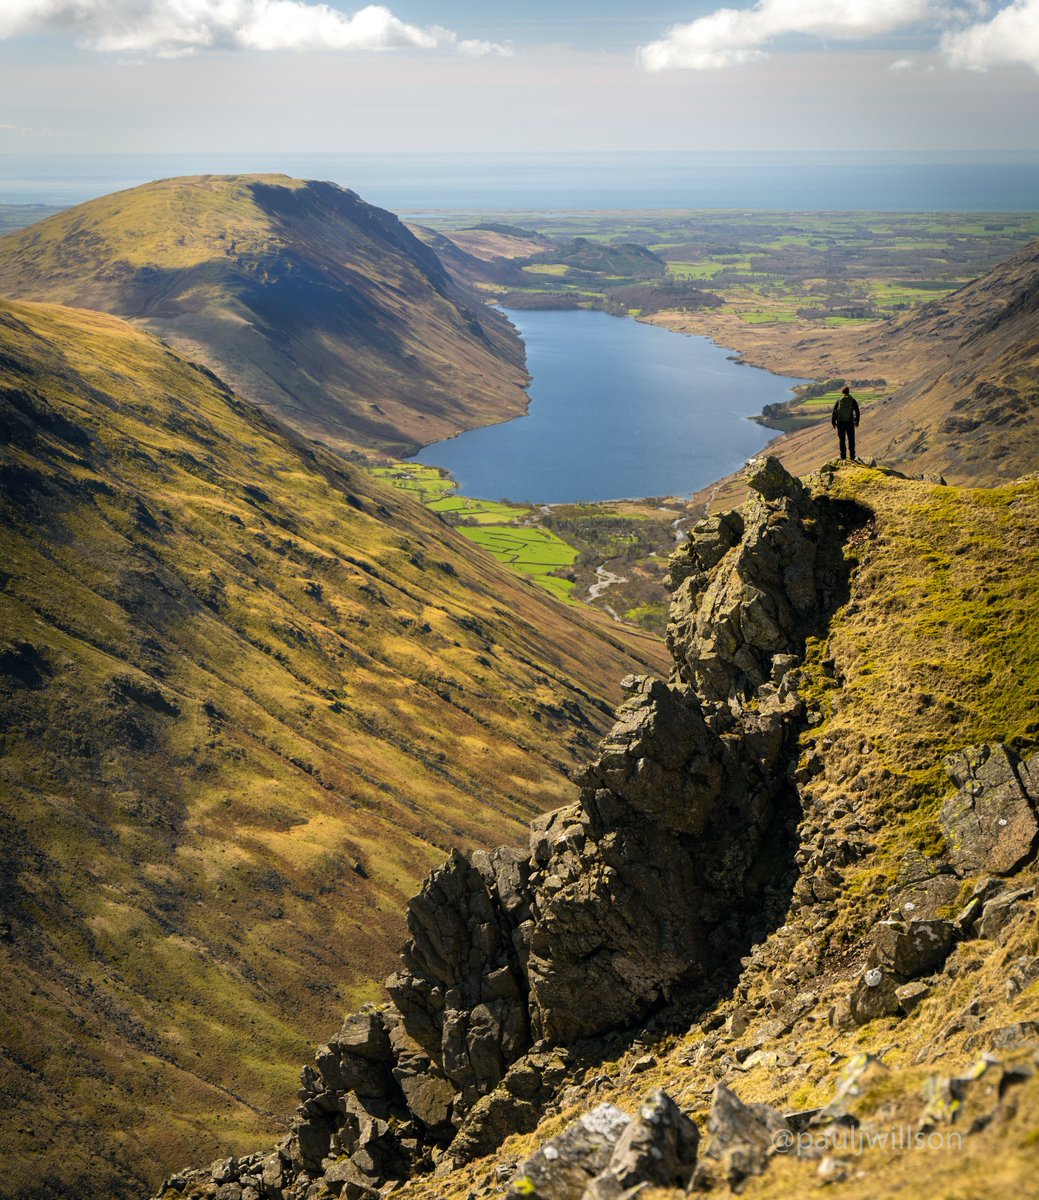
<point>427,484</point>
<point>533,551</point>
<point>479,512</point>
<point>810,411</point>
<point>768,267</point>
<point>500,528</point>
<point>559,547</point>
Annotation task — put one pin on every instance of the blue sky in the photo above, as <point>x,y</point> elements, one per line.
<point>464,75</point>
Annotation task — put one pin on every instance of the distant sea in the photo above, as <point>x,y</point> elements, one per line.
<point>412,183</point>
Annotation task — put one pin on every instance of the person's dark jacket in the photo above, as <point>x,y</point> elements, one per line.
<point>846,410</point>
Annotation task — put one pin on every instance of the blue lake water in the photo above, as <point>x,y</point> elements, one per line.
<point>618,409</point>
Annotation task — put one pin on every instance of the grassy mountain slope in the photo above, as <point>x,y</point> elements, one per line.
<point>963,373</point>
<point>464,266</point>
<point>935,650</point>
<point>319,307</point>
<point>249,697</point>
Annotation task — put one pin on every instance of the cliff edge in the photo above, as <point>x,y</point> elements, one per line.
<point>784,861</point>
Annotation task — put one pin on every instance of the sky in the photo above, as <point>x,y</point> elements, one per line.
<point>250,76</point>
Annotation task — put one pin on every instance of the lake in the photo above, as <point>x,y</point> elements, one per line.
<point>617,409</point>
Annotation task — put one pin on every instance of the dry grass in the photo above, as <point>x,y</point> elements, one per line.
<point>271,693</point>
<point>936,650</point>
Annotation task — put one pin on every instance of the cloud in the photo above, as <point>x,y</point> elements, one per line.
<point>31,130</point>
<point>1011,36</point>
<point>901,64</point>
<point>174,27</point>
<point>730,37</point>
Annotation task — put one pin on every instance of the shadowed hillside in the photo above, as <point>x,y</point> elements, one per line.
<point>319,307</point>
<point>963,376</point>
<point>249,696</point>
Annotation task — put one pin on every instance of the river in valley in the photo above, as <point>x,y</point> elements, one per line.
<point>618,409</point>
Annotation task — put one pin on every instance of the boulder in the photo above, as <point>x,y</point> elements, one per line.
<point>911,948</point>
<point>658,1148</point>
<point>910,995</point>
<point>860,1073</point>
<point>742,1138</point>
<point>876,995</point>
<point>564,1166</point>
<point>990,823</point>
<point>1001,910</point>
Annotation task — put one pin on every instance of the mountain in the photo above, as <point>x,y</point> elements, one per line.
<point>963,374</point>
<point>249,696</point>
<point>322,309</point>
<point>785,928</point>
<point>606,258</point>
<point>493,241</point>
<point>464,266</point>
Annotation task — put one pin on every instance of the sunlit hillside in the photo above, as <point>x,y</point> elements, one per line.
<point>250,695</point>
<point>321,308</point>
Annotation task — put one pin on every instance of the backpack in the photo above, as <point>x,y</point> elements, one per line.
<point>845,407</point>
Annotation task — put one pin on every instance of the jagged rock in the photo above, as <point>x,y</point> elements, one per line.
<point>1010,1037</point>
<point>973,1098</point>
<point>428,1095</point>
<point>860,1073</point>
<point>990,823</point>
<point>1023,973</point>
<point>742,1140</point>
<point>515,1105</point>
<point>965,920</point>
<point>461,993</point>
<point>675,859</point>
<point>762,599</point>
<point>706,544</point>
<point>660,759</point>
<point>564,1166</point>
<point>224,1170</point>
<point>910,948</point>
<point>618,928</point>
<point>658,1148</point>
<point>359,1058</point>
<point>999,911</point>
<point>771,480</point>
<point>344,1177</point>
<point>876,995</point>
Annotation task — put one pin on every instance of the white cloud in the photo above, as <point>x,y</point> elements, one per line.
<point>1010,36</point>
<point>30,130</point>
<point>175,27</point>
<point>475,48</point>
<point>729,37</point>
<point>901,64</point>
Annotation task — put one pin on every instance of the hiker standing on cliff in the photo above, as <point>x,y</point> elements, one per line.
<point>845,419</point>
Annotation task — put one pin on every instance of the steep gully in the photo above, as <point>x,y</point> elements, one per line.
<point>634,903</point>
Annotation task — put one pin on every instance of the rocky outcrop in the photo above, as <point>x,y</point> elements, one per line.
<point>675,858</point>
<point>990,823</point>
<point>607,1155</point>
